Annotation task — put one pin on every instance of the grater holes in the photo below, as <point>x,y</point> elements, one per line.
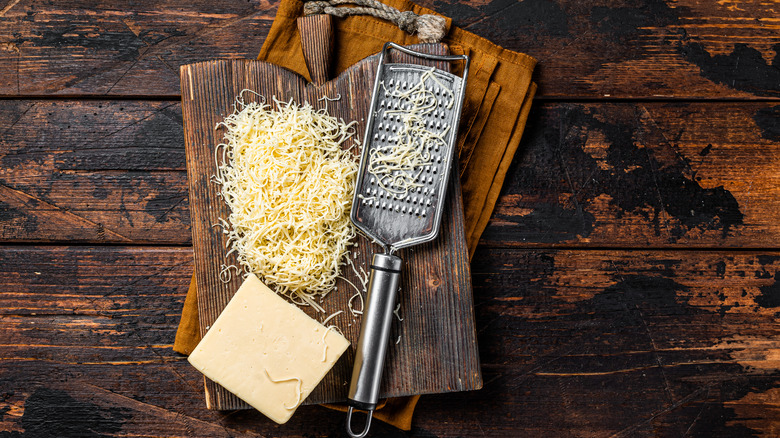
<point>433,118</point>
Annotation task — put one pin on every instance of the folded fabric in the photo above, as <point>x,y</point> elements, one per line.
<point>496,106</point>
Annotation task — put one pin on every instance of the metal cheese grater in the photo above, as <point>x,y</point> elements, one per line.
<point>399,218</point>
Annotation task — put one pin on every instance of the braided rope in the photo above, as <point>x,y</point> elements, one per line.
<point>429,28</point>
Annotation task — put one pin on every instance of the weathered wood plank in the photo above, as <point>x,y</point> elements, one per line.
<point>112,48</point>
<point>634,343</point>
<point>120,206</point>
<point>626,343</point>
<point>647,48</point>
<point>94,171</point>
<point>598,174</point>
<point>92,135</point>
<point>666,175</point>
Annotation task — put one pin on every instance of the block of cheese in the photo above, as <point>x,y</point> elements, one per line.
<point>267,351</point>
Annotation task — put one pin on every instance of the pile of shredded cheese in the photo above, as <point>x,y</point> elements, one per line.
<point>288,179</point>
<point>397,165</point>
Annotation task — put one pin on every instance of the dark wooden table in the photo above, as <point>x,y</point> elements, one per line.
<point>627,285</point>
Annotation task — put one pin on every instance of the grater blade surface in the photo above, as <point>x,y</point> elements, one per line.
<point>401,215</point>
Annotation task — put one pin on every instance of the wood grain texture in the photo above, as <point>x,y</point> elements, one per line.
<point>633,49</point>
<point>81,47</point>
<point>626,343</point>
<point>647,48</point>
<point>317,43</point>
<point>102,171</point>
<point>596,174</point>
<point>634,175</point>
<point>436,286</point>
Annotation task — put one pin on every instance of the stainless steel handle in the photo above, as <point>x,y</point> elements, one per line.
<point>374,336</point>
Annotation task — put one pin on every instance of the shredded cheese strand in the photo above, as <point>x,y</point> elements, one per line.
<point>362,304</point>
<point>327,330</point>
<point>299,388</point>
<point>335,314</point>
<point>397,313</point>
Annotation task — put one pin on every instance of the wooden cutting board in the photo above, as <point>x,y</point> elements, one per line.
<point>433,349</point>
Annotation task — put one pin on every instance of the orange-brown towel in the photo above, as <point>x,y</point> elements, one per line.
<point>498,98</point>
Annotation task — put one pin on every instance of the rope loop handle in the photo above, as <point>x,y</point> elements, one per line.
<point>428,28</point>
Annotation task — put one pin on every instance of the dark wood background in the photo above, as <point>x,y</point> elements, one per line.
<point>627,285</point>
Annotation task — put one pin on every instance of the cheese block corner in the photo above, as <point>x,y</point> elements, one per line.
<point>267,351</point>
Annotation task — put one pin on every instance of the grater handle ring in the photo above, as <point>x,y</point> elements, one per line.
<point>367,426</point>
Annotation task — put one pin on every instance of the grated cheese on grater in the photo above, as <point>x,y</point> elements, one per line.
<point>397,165</point>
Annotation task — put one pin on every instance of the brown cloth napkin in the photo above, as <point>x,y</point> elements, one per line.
<point>498,98</point>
